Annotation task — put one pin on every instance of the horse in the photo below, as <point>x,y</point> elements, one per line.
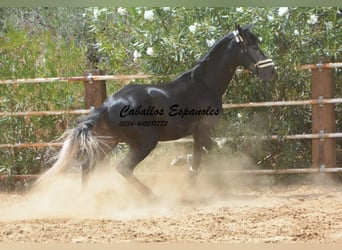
<point>143,115</point>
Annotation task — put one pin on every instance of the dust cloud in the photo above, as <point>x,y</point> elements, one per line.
<point>109,195</point>
<point>219,208</point>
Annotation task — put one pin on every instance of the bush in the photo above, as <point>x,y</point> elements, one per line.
<point>30,56</point>
<point>51,42</point>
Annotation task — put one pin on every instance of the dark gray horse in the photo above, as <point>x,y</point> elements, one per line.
<point>142,115</point>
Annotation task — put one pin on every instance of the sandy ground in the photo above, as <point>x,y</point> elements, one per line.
<point>213,211</point>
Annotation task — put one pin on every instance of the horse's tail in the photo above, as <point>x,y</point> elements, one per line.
<point>76,140</point>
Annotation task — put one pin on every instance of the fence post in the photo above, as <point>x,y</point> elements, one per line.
<point>323,117</point>
<point>94,91</point>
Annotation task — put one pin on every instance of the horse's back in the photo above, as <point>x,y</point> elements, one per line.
<point>169,110</point>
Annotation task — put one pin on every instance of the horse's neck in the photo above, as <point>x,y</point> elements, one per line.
<point>217,79</point>
<point>217,73</point>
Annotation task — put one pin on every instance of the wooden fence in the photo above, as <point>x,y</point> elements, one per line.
<point>323,135</point>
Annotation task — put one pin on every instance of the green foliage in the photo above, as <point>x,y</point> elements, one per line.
<point>24,55</point>
<point>47,42</point>
<point>170,40</point>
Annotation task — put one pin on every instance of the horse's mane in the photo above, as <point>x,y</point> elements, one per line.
<point>201,65</point>
<point>250,37</point>
<point>212,52</point>
<point>207,56</point>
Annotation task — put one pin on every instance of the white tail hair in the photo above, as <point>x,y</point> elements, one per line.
<point>75,140</point>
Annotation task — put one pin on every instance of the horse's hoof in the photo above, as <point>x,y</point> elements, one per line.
<point>151,198</point>
<point>193,174</point>
<point>182,160</point>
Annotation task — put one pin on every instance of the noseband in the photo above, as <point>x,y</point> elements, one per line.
<point>258,65</point>
<point>264,63</point>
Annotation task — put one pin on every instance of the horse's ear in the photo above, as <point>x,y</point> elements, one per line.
<point>238,28</point>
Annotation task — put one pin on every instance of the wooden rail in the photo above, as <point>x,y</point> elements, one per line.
<point>323,136</point>
<point>283,103</point>
<point>89,78</point>
<point>223,172</point>
<point>187,140</point>
<point>321,65</point>
<point>45,113</point>
<point>225,106</point>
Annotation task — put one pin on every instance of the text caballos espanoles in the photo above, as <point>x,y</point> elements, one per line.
<point>174,110</point>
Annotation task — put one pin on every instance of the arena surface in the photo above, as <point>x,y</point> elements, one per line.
<point>111,211</point>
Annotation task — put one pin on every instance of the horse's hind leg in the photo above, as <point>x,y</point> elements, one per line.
<point>135,155</point>
<point>89,166</point>
<point>85,174</point>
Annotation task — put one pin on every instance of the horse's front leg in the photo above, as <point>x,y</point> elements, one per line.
<point>205,146</point>
<point>89,165</point>
<point>196,160</point>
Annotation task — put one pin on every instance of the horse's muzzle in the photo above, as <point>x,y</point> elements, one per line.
<point>265,69</point>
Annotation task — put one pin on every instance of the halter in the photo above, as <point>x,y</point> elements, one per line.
<point>237,36</point>
<point>258,65</point>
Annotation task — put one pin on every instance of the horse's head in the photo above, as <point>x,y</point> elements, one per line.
<point>250,56</point>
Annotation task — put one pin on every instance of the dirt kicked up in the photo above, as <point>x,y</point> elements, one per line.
<point>111,211</point>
